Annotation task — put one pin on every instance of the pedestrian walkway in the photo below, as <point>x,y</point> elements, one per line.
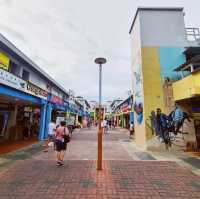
<point>124,174</point>
<point>10,146</point>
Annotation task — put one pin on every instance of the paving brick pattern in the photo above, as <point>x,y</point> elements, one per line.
<point>39,178</point>
<point>79,179</point>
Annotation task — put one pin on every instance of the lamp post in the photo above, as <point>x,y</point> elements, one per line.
<point>100,62</point>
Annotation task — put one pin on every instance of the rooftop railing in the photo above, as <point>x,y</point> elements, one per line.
<point>193,34</point>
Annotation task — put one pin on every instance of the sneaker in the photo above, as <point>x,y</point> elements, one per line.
<point>62,163</point>
<point>58,164</point>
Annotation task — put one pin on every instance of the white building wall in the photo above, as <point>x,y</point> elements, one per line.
<point>137,79</point>
<point>162,28</point>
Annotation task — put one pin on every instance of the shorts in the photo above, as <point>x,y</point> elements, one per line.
<point>51,138</point>
<point>61,146</point>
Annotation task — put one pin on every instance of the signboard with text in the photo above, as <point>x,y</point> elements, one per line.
<point>56,100</point>
<point>36,91</point>
<point>13,81</point>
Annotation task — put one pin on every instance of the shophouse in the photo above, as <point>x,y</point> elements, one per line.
<point>113,106</point>
<point>187,91</point>
<point>123,113</point>
<point>85,104</point>
<point>29,97</point>
<point>93,104</point>
<point>159,39</point>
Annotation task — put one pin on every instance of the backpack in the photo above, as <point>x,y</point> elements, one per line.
<point>66,137</point>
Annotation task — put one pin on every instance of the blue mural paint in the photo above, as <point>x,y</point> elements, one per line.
<point>171,58</point>
<point>138,97</point>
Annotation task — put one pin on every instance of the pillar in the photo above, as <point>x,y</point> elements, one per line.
<point>15,115</point>
<point>42,122</point>
<point>48,119</point>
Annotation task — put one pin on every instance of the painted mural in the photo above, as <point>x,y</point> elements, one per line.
<point>138,95</point>
<point>158,66</point>
<point>170,58</point>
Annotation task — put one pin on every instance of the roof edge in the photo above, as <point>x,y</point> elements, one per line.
<point>39,70</point>
<point>153,9</point>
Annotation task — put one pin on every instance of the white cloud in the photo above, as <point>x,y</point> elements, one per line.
<point>64,37</point>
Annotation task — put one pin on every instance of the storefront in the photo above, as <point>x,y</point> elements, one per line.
<point>192,108</point>
<point>22,108</point>
<point>124,114</point>
<point>56,111</point>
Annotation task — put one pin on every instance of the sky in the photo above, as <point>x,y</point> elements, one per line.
<point>63,37</point>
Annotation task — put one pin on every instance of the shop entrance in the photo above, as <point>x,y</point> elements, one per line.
<point>19,119</point>
<point>126,120</point>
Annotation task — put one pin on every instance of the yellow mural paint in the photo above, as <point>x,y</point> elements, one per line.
<point>4,61</point>
<point>152,85</point>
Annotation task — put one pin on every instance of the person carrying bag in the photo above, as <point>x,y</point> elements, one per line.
<point>66,136</point>
<point>62,138</point>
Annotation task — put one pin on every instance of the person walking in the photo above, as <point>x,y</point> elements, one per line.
<point>113,123</point>
<point>105,126</point>
<point>131,130</point>
<point>110,124</point>
<point>61,139</point>
<point>161,120</point>
<point>51,135</point>
<point>177,117</point>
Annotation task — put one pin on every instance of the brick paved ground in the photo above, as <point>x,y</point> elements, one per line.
<point>38,177</point>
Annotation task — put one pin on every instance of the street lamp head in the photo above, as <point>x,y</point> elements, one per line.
<point>100,60</point>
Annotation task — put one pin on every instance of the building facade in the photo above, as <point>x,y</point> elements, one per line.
<point>29,98</point>
<point>122,112</point>
<point>158,41</point>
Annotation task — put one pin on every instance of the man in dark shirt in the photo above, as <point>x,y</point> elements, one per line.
<point>161,127</point>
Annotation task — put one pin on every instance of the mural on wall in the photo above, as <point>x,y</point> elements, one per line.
<point>168,95</point>
<point>138,95</point>
<point>170,58</point>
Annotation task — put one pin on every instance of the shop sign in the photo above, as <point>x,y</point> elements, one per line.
<point>56,100</point>
<point>11,80</point>
<point>4,61</point>
<point>36,91</point>
<point>28,109</point>
<point>36,111</point>
<point>126,109</point>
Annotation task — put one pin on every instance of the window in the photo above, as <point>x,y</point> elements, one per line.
<point>14,69</point>
<point>25,75</point>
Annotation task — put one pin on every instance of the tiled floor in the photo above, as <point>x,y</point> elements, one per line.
<point>122,177</point>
